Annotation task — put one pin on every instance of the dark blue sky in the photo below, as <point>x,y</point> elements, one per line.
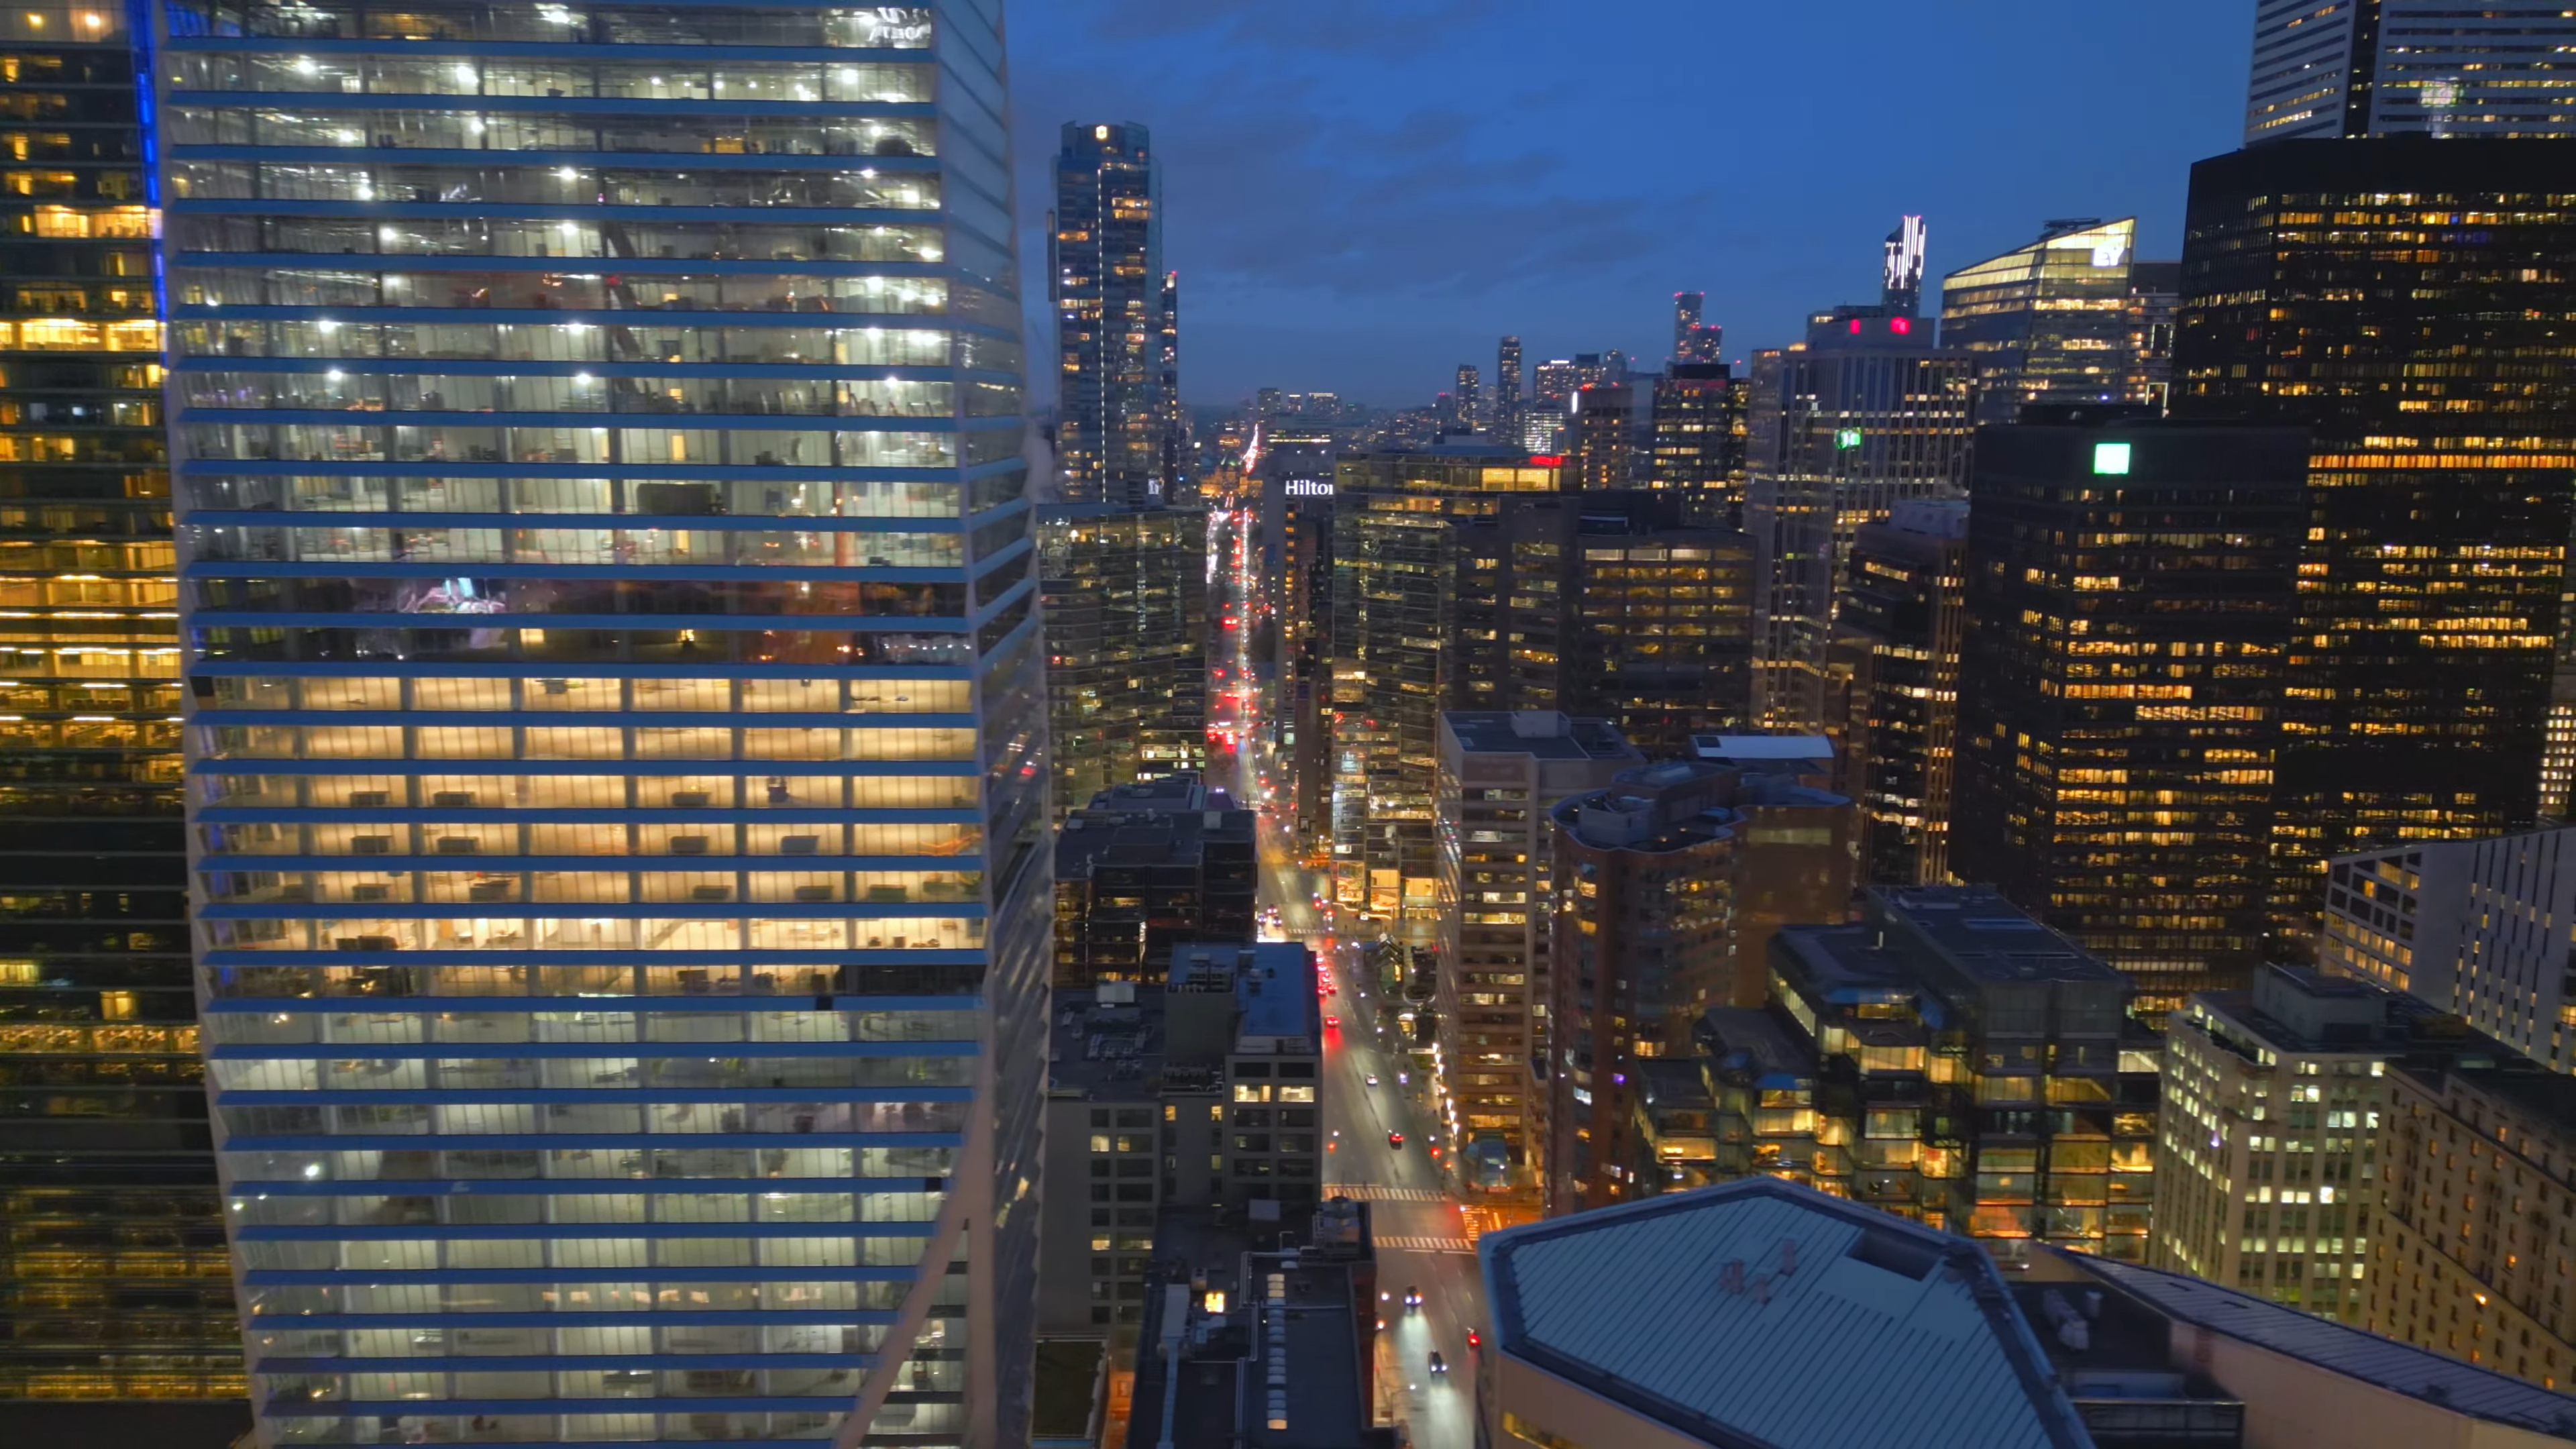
<point>1362,194</point>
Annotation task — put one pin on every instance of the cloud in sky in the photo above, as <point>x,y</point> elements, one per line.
<point>1363,193</point>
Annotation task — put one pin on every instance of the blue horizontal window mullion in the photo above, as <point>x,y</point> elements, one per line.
<point>730,1005</point>
<point>526,1363</point>
<point>487,1232</point>
<point>642,1317</point>
<point>248,766</point>
<point>713,623</point>
<point>665,911</point>
<point>565,211</point>
<point>568,1187</point>
<point>631,573</point>
<point>336,101</point>
<point>588,316</point>
<point>881,673</point>
<point>476,367</point>
<point>413,1408</point>
<point>588,1142</point>
<point>1008,597</point>
<point>709,56</point>
<point>730,422</point>
<point>513,864</point>
<point>600,1097</point>
<point>642,1051</point>
<point>604,160</point>
<point>638,472</point>
<point>729,719</point>
<point>219,959</point>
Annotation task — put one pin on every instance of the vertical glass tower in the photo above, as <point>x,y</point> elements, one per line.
<point>113,1277</point>
<point>616,737</point>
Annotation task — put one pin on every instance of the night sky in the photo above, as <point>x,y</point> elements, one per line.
<point>1363,194</point>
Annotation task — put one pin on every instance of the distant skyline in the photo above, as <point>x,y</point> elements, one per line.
<point>1363,194</point>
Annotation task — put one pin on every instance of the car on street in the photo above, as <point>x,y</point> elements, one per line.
<point>1412,1296</point>
<point>1372,1079</point>
<point>1395,1140</point>
<point>1439,1365</point>
<point>1334,1022</point>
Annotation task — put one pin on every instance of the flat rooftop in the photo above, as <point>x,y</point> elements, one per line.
<point>1764,1312</point>
<point>1538,733</point>
<point>1109,1051</point>
<point>1763,747</point>
<point>1990,938</point>
<point>1274,985</point>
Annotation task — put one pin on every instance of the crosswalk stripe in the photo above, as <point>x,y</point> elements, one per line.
<point>1371,1192</point>
<point>1428,1245</point>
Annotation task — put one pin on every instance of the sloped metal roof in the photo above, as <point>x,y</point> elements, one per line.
<point>1760,1313</point>
<point>2462,1388</point>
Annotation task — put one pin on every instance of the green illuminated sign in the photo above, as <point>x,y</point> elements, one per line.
<point>1847,438</point>
<point>2111,458</point>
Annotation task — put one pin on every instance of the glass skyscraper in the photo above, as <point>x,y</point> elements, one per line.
<point>616,726</point>
<point>113,1278</point>
<point>1117,321</point>
<point>2051,322</point>
<point>2350,68</point>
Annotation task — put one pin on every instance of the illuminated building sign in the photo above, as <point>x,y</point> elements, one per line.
<point>904,25</point>
<point>2111,458</point>
<point>1307,488</point>
<point>1905,255</point>
<point>1847,438</point>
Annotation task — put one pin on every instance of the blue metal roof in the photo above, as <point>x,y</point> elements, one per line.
<point>1764,1315</point>
<point>2462,1388</point>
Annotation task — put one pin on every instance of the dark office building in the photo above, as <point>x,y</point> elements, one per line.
<point>114,1282</point>
<point>1126,636</point>
<point>2130,589</point>
<point>1977,1072</point>
<point>1670,885</point>
<point>2405,299</point>
<point>1400,650</point>
<point>1701,411</point>
<point>1145,867</point>
<point>1663,614</point>
<point>1862,415</point>
<point>1117,320</point>
<point>1602,448</point>
<point>1892,686</point>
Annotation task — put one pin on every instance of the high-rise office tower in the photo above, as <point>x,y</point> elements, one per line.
<point>112,1271</point>
<point>1901,275</point>
<point>1126,625</point>
<point>1176,422</point>
<point>1699,418</point>
<point>1106,269</point>
<point>2120,686</point>
<point>617,784</point>
<point>1693,340</point>
<point>1267,404</point>
<point>2353,68</point>
<point>2418,695</point>
<point>1988,1066</point>
<point>2155,297</point>
<point>1470,399</point>
<point>2476,928</point>
<point>1892,686</point>
<point>1601,422</point>
<point>1669,884</point>
<point>1508,410</point>
<point>2049,322</point>
<point>1402,646</point>
<point>1501,773</point>
<point>1548,425</point>
<point>1845,425</point>
<point>1662,612</point>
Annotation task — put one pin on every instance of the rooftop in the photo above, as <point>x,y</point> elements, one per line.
<point>1110,1050</point>
<point>1989,938</point>
<point>1747,749</point>
<point>1544,734</point>
<point>1274,986</point>
<point>1761,1298</point>
<point>2366,1358</point>
<point>1752,1044</point>
<point>1168,821</point>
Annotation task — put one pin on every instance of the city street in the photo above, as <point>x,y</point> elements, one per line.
<point>1422,1236</point>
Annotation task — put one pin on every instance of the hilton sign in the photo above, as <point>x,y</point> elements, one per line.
<point>1307,488</point>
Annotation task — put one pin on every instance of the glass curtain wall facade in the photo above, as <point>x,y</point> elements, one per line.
<point>1861,416</point>
<point>1114,315</point>
<point>617,741</point>
<point>2428,695</point>
<point>1126,629</point>
<point>2052,322</point>
<point>114,1282</point>
<point>2325,69</point>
